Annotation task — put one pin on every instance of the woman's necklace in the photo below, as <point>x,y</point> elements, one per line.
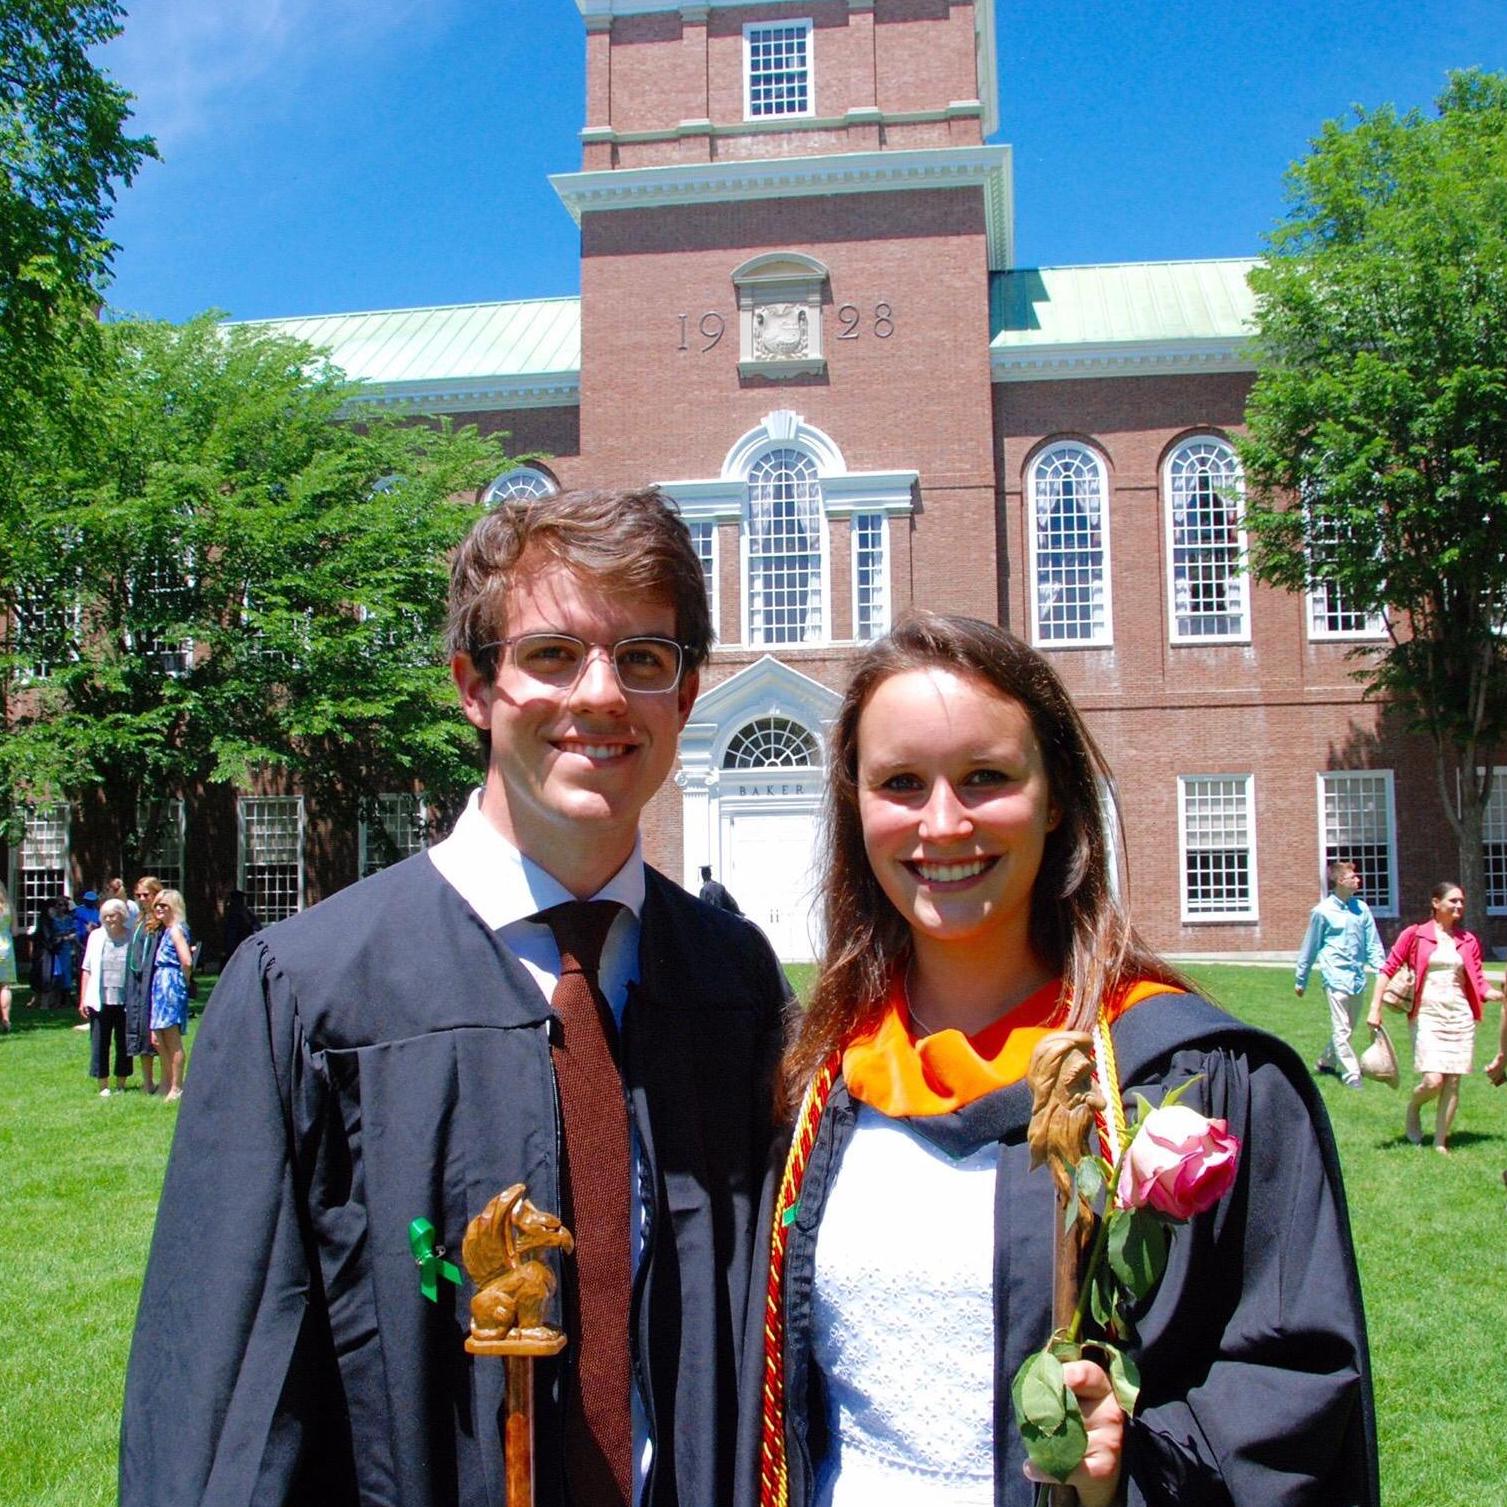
<point>910,1009</point>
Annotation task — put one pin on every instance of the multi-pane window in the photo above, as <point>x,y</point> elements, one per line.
<point>1357,824</point>
<point>41,863</point>
<point>1206,543</point>
<point>521,481</point>
<point>871,576</point>
<point>160,596</point>
<point>1330,615</point>
<point>162,855</point>
<point>783,540</point>
<point>1217,827</point>
<point>777,75</point>
<point>1494,843</point>
<point>44,630</point>
<point>396,828</point>
<point>1069,547</point>
<point>772,743</point>
<point>703,534</point>
<point>270,857</point>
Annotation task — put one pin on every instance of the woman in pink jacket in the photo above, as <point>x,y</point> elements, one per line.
<point>1448,990</point>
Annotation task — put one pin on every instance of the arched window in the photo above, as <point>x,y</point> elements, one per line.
<point>772,743</point>
<point>1069,547</point>
<point>1206,543</point>
<point>521,481</point>
<point>784,537</point>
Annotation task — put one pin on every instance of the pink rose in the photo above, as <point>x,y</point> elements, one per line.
<point>1179,1163</point>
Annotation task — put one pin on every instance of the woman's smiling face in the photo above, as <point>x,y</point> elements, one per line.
<point>955,804</point>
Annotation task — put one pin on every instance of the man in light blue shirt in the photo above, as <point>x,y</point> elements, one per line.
<point>1342,939</point>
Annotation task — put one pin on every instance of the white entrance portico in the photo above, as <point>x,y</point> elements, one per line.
<point>751,772</point>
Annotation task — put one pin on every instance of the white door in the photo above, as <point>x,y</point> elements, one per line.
<point>768,860</point>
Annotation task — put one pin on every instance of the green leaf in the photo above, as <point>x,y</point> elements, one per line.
<point>1048,1416</point>
<point>1137,1249</point>
<point>1089,1178</point>
<point>1039,1394</point>
<point>1124,1375</point>
<point>1174,1094</point>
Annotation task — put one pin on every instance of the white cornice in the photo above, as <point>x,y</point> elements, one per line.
<point>1129,358</point>
<point>473,394</point>
<point>985,167</point>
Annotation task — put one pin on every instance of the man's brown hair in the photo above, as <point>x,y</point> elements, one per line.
<point>628,543</point>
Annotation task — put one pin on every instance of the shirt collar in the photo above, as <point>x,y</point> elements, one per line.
<point>503,885</point>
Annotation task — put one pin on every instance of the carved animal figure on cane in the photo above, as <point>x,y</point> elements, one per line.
<point>512,1288</point>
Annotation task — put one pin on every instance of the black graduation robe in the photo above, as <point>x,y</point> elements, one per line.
<point>1256,1383</point>
<point>381,1058</point>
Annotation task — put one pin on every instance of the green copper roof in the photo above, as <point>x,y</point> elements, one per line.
<point>456,355</point>
<point>1132,303</point>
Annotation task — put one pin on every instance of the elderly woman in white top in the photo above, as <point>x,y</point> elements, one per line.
<point>102,996</point>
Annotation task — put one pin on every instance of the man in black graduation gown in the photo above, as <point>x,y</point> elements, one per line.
<point>393,1055</point>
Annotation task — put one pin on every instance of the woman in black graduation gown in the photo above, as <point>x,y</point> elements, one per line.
<point>970,909</point>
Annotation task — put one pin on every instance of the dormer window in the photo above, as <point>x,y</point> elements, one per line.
<point>777,69</point>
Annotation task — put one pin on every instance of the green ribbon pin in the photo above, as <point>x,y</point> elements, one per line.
<point>429,1259</point>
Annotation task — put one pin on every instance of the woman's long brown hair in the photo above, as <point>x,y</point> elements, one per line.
<point>1078,926</point>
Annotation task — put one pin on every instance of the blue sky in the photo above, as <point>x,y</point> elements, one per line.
<point>328,155</point>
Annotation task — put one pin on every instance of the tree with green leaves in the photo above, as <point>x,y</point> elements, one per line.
<point>63,150</point>
<point>222,571</point>
<point>1377,447</point>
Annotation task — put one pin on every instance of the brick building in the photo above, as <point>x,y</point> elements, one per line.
<point>800,313</point>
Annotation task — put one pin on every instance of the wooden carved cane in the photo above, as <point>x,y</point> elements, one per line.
<point>507,1314</point>
<point>1064,1099</point>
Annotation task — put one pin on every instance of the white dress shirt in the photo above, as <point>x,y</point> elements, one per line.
<point>508,890</point>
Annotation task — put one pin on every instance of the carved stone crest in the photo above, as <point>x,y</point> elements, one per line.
<point>781,332</point>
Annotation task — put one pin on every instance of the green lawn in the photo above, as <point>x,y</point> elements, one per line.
<point>79,1177</point>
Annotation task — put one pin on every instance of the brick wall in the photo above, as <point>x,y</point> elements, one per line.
<point>649,73</point>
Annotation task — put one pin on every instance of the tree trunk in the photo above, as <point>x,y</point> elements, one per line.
<point>1465,791</point>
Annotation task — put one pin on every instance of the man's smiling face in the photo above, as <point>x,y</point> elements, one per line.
<point>573,766</point>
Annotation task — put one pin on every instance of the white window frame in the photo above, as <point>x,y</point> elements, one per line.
<point>821,632</point>
<point>173,661</point>
<point>1103,636</point>
<point>704,531</point>
<point>1189,915</point>
<point>1318,604</point>
<point>1494,817</point>
<point>1237,583</point>
<point>41,669</point>
<point>61,814</point>
<point>772,726</point>
<point>521,481</point>
<point>1319,600</point>
<point>751,29</point>
<point>246,807</point>
<point>168,860</point>
<point>880,585</point>
<point>1380,906</point>
<point>417,815</point>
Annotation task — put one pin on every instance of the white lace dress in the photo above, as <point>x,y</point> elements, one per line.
<point>903,1323</point>
<point>1444,1034</point>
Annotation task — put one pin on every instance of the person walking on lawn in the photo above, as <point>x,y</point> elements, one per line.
<point>1342,939</point>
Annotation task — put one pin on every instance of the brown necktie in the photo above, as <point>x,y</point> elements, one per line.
<point>598,1414</point>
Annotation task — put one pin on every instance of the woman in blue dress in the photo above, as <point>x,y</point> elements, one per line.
<point>170,989</point>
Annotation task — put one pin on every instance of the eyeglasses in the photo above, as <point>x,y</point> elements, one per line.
<point>161,905</point>
<point>643,665</point>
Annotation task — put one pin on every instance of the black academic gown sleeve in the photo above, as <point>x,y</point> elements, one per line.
<point>1253,1349</point>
